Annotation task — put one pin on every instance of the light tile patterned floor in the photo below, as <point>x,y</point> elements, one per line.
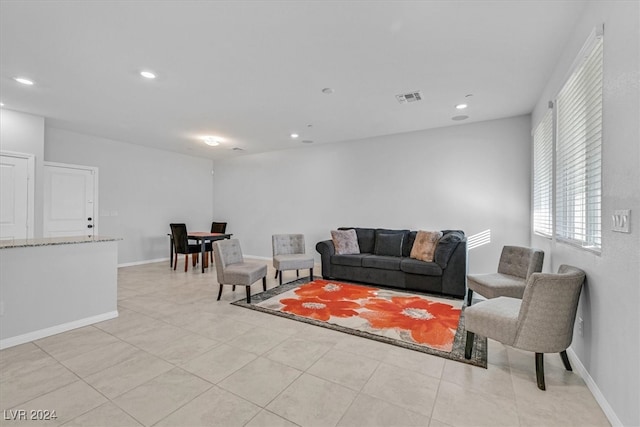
<point>177,357</point>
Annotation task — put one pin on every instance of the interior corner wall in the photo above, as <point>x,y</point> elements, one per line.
<point>473,177</point>
<point>610,346</point>
<point>141,190</point>
<point>24,133</point>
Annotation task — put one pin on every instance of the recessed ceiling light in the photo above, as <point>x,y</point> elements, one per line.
<point>147,74</point>
<point>211,140</point>
<point>307,141</point>
<point>23,80</point>
<point>294,135</point>
<point>458,118</point>
<point>327,90</point>
<point>461,106</point>
<point>237,149</point>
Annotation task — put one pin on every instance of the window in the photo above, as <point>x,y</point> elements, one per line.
<point>578,151</point>
<point>543,176</point>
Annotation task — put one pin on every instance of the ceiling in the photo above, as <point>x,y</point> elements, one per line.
<point>252,72</point>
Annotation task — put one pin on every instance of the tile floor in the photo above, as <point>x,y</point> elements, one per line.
<point>177,357</point>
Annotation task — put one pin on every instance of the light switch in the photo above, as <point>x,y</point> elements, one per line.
<point>621,220</point>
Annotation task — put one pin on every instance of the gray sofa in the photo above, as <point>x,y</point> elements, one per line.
<point>445,275</point>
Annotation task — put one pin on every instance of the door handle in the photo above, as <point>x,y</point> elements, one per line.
<point>89,226</point>
<point>89,219</point>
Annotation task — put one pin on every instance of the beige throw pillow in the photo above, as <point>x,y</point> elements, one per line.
<point>345,242</point>
<point>424,247</point>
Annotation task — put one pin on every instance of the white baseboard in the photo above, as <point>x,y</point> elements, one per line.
<point>595,390</point>
<point>147,261</point>
<point>42,333</point>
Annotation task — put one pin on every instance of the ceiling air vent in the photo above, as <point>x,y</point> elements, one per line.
<point>409,97</point>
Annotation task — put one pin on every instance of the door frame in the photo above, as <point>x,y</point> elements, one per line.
<point>31,187</point>
<point>94,171</point>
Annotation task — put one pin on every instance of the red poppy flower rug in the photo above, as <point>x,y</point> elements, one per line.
<point>420,322</point>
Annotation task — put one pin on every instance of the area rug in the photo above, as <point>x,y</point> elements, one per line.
<point>420,322</point>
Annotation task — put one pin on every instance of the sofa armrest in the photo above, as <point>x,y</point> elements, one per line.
<point>454,276</point>
<point>326,249</point>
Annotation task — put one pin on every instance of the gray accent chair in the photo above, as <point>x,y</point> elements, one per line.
<point>515,266</point>
<point>541,322</point>
<point>232,269</point>
<point>289,254</point>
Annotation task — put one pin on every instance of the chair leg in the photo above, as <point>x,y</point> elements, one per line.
<point>233,288</point>
<point>468,347</point>
<point>175,261</point>
<point>186,262</point>
<point>280,278</point>
<point>297,273</point>
<point>248,294</point>
<point>565,360</point>
<point>220,292</point>
<point>264,283</point>
<point>311,274</point>
<point>276,276</point>
<point>469,297</point>
<point>540,370</point>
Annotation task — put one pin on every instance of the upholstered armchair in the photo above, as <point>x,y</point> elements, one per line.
<point>232,269</point>
<point>541,322</point>
<point>289,254</point>
<point>515,266</point>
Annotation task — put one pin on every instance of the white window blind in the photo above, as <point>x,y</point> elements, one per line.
<point>543,176</point>
<point>578,151</point>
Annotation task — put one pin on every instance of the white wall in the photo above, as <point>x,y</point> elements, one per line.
<point>141,190</point>
<point>471,177</point>
<point>24,133</point>
<point>610,348</point>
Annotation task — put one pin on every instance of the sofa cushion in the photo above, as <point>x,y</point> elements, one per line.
<point>366,238</point>
<point>389,244</point>
<point>446,245</point>
<point>408,243</point>
<point>382,262</point>
<point>345,242</point>
<point>414,266</point>
<point>354,260</point>
<point>424,247</point>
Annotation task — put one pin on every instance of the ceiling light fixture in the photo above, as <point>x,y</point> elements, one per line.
<point>327,90</point>
<point>458,118</point>
<point>23,81</point>
<point>461,106</point>
<point>147,74</point>
<point>211,141</point>
<point>307,141</point>
<point>294,135</point>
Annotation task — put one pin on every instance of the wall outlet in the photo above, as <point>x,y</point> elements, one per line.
<point>580,327</point>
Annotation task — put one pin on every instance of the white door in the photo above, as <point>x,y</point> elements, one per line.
<point>70,200</point>
<point>16,195</point>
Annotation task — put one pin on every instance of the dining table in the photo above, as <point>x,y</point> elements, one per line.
<point>203,237</point>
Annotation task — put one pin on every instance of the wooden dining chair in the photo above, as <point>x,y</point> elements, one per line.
<point>181,245</point>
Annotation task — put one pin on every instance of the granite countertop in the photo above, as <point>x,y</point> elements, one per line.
<point>49,241</point>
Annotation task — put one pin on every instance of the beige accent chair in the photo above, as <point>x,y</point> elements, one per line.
<point>541,322</point>
<point>515,266</point>
<point>232,269</point>
<point>289,254</point>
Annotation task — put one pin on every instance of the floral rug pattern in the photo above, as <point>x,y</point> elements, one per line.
<point>421,322</point>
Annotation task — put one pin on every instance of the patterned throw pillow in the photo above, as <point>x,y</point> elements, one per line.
<point>345,242</point>
<point>425,244</point>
